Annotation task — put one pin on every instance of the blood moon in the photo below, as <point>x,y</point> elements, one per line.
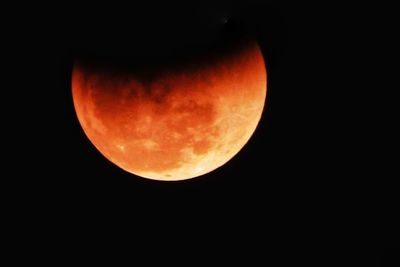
<point>181,123</point>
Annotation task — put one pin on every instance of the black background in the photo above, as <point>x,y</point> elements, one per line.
<point>308,188</point>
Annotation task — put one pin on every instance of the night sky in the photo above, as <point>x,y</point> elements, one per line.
<point>294,194</point>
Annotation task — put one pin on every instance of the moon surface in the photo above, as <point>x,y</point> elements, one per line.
<point>180,123</point>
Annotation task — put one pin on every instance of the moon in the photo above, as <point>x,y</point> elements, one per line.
<point>180,123</point>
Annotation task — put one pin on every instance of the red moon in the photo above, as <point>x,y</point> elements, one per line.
<point>182,123</point>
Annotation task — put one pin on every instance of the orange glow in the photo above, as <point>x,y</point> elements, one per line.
<point>179,125</point>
